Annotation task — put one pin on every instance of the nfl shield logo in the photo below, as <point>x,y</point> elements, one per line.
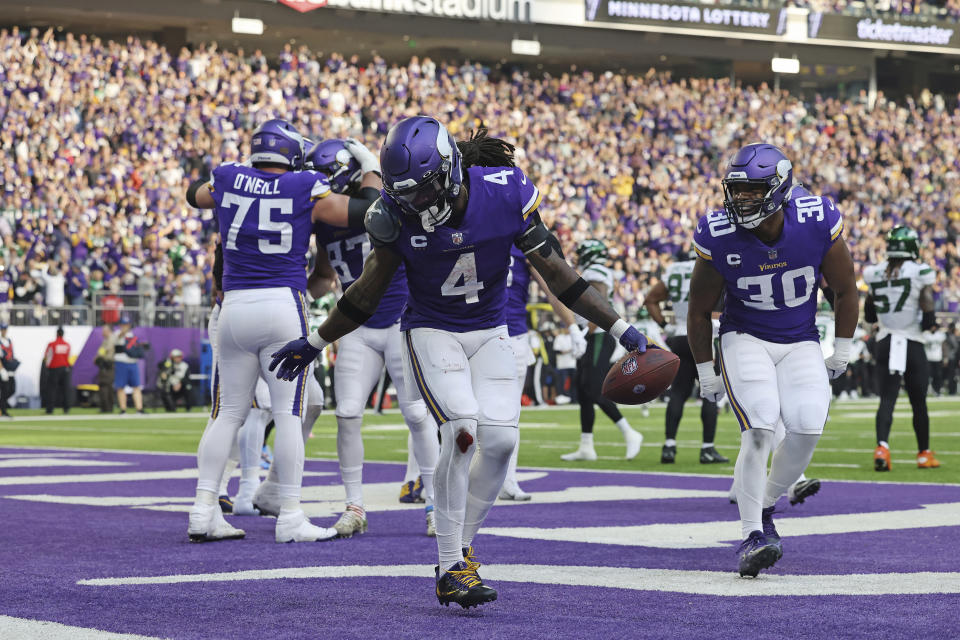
<point>630,366</point>
<point>457,238</point>
<point>772,254</point>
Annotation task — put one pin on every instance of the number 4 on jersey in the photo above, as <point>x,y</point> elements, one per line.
<point>465,271</point>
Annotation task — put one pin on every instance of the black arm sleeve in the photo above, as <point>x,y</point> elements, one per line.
<point>192,191</point>
<point>218,266</point>
<point>358,205</point>
<point>869,310</point>
<point>928,320</point>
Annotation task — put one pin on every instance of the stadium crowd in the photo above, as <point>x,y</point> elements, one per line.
<point>100,139</point>
<point>891,9</point>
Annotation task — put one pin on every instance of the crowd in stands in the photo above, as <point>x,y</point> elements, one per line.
<point>100,139</point>
<point>887,9</point>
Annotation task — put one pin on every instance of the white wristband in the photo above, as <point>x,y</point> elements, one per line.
<point>575,328</point>
<point>619,328</point>
<point>841,349</point>
<point>705,370</point>
<point>316,341</point>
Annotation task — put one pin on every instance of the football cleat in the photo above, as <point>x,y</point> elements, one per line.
<point>926,460</point>
<point>757,553</point>
<point>803,489</point>
<point>207,525</point>
<point>770,530</point>
<point>353,520</point>
<point>226,504</point>
<point>668,455</point>
<point>243,506</point>
<point>513,493</point>
<point>634,440</point>
<point>881,458</point>
<point>295,527</point>
<point>462,585</point>
<point>580,454</point>
<point>411,491</point>
<point>431,522</point>
<point>710,455</point>
<point>266,500</point>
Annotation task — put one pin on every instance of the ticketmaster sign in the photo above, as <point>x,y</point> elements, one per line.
<point>884,30</point>
<point>685,15</point>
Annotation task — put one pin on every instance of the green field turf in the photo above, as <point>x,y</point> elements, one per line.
<point>845,451</point>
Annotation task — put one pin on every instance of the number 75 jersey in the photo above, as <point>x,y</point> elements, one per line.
<point>771,290</point>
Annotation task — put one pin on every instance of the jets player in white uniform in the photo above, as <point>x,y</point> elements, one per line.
<point>593,365</point>
<point>265,210</point>
<point>901,299</point>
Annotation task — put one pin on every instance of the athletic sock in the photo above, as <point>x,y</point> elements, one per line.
<point>884,444</point>
<point>496,446</point>
<point>706,445</point>
<point>750,477</point>
<point>789,460</point>
<point>412,469</point>
<point>452,478</point>
<point>510,480</point>
<point>350,454</point>
<point>425,448</point>
<point>586,441</point>
<point>624,426</point>
<point>669,442</point>
<point>227,473</point>
<point>288,459</point>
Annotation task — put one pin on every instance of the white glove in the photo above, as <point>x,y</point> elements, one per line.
<point>578,341</point>
<point>837,362</point>
<point>711,385</point>
<point>368,161</point>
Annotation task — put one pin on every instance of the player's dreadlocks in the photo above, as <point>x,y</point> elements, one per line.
<point>480,150</point>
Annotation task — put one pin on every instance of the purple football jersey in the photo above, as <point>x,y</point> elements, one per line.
<point>348,250</point>
<point>771,290</point>
<point>264,223</point>
<point>458,276</point>
<point>518,293</point>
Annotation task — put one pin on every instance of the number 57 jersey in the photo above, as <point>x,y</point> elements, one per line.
<point>771,290</point>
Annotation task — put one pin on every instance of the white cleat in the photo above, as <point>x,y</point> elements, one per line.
<point>266,500</point>
<point>295,527</point>
<point>581,454</point>
<point>353,520</point>
<point>634,440</point>
<point>243,506</point>
<point>207,525</point>
<point>431,523</point>
<point>514,492</point>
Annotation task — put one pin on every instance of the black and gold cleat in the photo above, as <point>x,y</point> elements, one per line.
<point>226,504</point>
<point>462,585</point>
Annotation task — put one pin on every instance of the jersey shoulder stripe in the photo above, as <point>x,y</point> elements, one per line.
<point>837,229</point>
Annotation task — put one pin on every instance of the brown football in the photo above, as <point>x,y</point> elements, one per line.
<point>640,377</point>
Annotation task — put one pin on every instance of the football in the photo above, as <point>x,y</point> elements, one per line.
<point>640,377</point>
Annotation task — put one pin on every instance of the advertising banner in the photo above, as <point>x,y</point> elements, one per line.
<point>696,16</point>
<point>498,10</point>
<point>884,30</point>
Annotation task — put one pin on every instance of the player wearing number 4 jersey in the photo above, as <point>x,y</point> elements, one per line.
<point>767,250</point>
<point>450,214</point>
<point>901,299</point>
<point>265,210</point>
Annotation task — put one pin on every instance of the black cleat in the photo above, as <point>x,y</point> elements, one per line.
<point>668,455</point>
<point>226,504</point>
<point>770,530</point>
<point>462,585</point>
<point>803,490</point>
<point>710,455</point>
<point>757,553</point>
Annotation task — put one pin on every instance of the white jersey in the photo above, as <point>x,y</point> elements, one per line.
<point>652,330</point>
<point>826,327</point>
<point>602,274</point>
<point>897,298</point>
<point>677,280</point>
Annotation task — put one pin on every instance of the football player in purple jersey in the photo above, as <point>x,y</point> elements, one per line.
<point>450,214</point>
<point>361,355</point>
<point>767,249</point>
<point>265,209</point>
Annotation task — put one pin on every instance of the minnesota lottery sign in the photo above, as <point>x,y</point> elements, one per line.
<point>686,15</point>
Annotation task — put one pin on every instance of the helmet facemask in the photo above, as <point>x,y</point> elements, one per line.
<point>750,201</point>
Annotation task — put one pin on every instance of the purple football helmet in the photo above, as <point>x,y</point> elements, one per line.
<point>756,167</point>
<point>422,169</point>
<point>277,142</point>
<point>332,158</point>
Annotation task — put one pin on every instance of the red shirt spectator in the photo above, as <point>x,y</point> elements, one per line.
<point>58,353</point>
<point>112,306</point>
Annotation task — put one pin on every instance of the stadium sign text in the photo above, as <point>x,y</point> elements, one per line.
<point>926,34</point>
<point>698,16</point>
<point>500,10</point>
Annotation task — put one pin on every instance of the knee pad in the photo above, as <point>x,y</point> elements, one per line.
<point>349,408</point>
<point>414,413</point>
<point>497,441</point>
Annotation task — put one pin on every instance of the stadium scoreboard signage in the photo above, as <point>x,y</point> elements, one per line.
<point>498,10</point>
<point>884,30</point>
<point>696,16</point>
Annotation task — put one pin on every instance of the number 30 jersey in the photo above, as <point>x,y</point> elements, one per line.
<point>264,223</point>
<point>458,276</point>
<point>897,297</point>
<point>772,289</point>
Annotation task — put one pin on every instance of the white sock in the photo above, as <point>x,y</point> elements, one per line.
<point>789,460</point>
<point>496,446</point>
<point>510,480</point>
<point>350,454</point>
<point>288,460</point>
<point>310,415</point>
<point>624,426</point>
<point>412,469</point>
<point>205,497</point>
<point>884,444</point>
<point>706,445</point>
<point>452,478</point>
<point>425,449</point>
<point>251,438</point>
<point>586,440</point>
<point>214,450</point>
<point>227,474</point>
<point>669,442</point>
<point>249,482</point>
<point>750,477</point>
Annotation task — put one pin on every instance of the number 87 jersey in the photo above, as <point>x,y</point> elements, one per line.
<point>771,290</point>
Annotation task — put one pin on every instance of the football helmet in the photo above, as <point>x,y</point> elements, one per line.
<point>422,170</point>
<point>332,158</point>
<point>591,252</point>
<point>760,168</point>
<point>277,142</point>
<point>903,242</point>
